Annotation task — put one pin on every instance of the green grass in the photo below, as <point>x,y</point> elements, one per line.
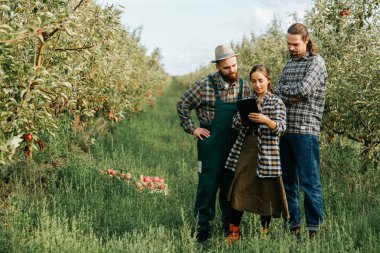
<point>71,207</point>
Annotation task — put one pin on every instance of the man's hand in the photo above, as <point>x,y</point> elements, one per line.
<point>199,132</point>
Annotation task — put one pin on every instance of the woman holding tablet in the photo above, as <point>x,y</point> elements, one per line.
<point>254,159</point>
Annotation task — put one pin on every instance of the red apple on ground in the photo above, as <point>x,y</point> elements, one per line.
<point>111,173</point>
<point>344,13</point>
<point>128,176</point>
<point>28,137</point>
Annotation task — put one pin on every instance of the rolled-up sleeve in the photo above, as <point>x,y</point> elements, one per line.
<point>279,116</point>
<point>190,100</point>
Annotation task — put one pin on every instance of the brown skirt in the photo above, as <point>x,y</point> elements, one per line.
<point>248,192</point>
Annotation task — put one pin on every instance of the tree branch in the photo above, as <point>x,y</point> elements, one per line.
<point>351,137</point>
<point>348,135</point>
<point>79,4</point>
<point>74,49</point>
<point>16,40</point>
<point>39,57</point>
<point>48,36</point>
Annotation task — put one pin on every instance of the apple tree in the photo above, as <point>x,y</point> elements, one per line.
<point>347,34</point>
<point>268,48</point>
<point>64,61</point>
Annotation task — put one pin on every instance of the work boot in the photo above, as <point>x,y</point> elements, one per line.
<point>296,231</point>
<point>312,234</point>
<point>233,235</point>
<point>264,233</point>
<point>202,236</point>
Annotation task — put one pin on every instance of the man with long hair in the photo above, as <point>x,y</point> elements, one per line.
<point>302,86</point>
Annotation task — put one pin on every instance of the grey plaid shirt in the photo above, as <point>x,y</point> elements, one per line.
<point>201,97</point>
<point>302,86</point>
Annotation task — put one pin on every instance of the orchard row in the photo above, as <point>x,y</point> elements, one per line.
<point>68,64</point>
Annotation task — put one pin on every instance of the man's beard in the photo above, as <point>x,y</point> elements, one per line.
<point>230,79</point>
<point>293,54</point>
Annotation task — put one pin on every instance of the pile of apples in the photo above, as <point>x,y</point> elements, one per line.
<point>152,183</point>
<point>117,174</point>
<point>155,184</point>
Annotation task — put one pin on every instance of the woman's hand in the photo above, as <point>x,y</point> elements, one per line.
<point>262,119</point>
<point>258,118</point>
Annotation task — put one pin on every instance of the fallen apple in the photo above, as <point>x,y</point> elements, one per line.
<point>344,13</point>
<point>112,173</point>
<point>128,176</point>
<point>28,137</point>
<point>147,179</point>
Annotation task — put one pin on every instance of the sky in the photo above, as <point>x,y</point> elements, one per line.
<point>187,31</point>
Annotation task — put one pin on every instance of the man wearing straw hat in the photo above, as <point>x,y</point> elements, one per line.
<point>214,99</point>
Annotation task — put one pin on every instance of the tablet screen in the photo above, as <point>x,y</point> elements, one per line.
<point>246,106</point>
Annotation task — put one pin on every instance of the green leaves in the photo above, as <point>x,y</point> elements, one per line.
<point>4,7</point>
<point>58,63</point>
<point>348,41</point>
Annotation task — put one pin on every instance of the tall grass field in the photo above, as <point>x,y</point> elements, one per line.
<point>62,203</point>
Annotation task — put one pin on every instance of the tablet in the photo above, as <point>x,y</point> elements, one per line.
<point>246,106</point>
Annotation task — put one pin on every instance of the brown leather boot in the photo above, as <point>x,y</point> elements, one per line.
<point>296,231</point>
<point>234,234</point>
<point>264,233</point>
<point>312,234</point>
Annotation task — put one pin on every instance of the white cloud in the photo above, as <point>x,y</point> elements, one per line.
<point>187,31</point>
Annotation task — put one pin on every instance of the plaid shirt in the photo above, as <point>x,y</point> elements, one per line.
<point>302,87</point>
<point>269,164</point>
<point>201,97</point>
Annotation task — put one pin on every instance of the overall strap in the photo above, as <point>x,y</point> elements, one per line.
<point>240,88</point>
<point>215,87</point>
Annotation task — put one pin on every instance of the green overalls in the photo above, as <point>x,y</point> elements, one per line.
<point>212,156</point>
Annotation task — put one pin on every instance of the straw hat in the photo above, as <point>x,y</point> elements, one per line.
<point>223,52</point>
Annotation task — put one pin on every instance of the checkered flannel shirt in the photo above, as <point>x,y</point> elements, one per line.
<point>201,97</point>
<point>302,86</point>
<point>269,164</point>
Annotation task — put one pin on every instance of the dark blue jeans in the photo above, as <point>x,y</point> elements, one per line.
<point>300,167</point>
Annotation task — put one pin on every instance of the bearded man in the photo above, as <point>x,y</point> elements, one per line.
<point>214,99</point>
